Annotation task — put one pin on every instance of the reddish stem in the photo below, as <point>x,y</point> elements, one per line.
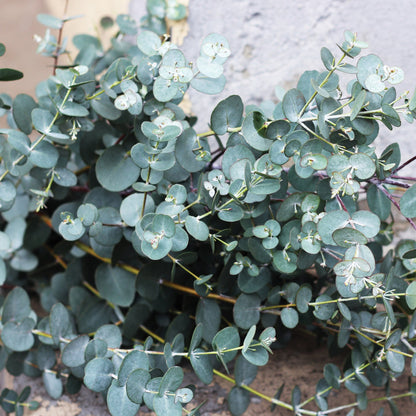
<point>412,159</point>
<point>58,44</point>
<point>395,203</point>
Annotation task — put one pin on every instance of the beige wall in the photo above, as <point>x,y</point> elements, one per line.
<point>18,25</point>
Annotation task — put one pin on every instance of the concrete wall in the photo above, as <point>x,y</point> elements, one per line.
<point>275,41</point>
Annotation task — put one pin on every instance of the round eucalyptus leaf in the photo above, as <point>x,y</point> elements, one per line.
<point>196,337</point>
<point>118,401</point>
<point>238,401</point>
<point>244,371</point>
<point>115,171</point>
<point>277,152</point>
<point>132,361</point>
<point>59,322</point>
<point>395,361</point>
<point>366,66</point>
<point>16,306</point>
<point>95,348</point>
<point>184,395</point>
<point>43,120</point>
<point>24,260</point>
<point>50,21</point>
<point>88,214</point>
<point>227,114</point>
<point>9,398</point>
<point>303,297</point>
<point>202,365</point>
<point>208,67</point>
<point>293,102</point>
<point>18,335</point>
<point>126,24</point>
<point>164,90</point>
<point>185,156</point>
<point>103,106</point>
<point>327,58</point>
<point>411,295</point>
<point>73,355</point>
<point>98,374</point>
<point>284,262</point>
<point>246,311</point>
<point>22,108</point>
<point>109,333</point>
<point>163,224</point>
<point>254,131</point>
<point>171,380</point>
<point>64,177</point>
<point>378,202</point>
<point>343,308</point>
<point>53,384</point>
<point>364,166</point>
<point>231,213</point>
<point>227,338</point>
<point>332,375</point>
<point>196,228</point>
<point>19,141</point>
<point>148,42</point>
<point>325,310</point>
<point>289,317</point>
<point>156,248</point>
<point>252,284</point>
<point>208,85</point>
<point>329,223</point>
<point>7,195</point>
<point>208,313</point>
<point>136,385</point>
<point>71,229</point>
<point>374,83</point>
<point>115,284</point>
<point>346,237</point>
<point>151,387</point>
<point>408,202</point>
<point>353,384</point>
<point>72,109</point>
<point>166,405</point>
<point>256,354</point>
<point>364,259</point>
<point>44,155</point>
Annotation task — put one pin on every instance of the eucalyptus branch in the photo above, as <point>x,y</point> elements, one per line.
<point>395,203</point>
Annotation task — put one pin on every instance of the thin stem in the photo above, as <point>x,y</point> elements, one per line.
<point>176,261</point>
<point>412,159</point>
<point>257,393</point>
<point>58,258</point>
<point>114,84</point>
<point>166,283</point>
<point>317,135</point>
<point>152,334</point>
<point>40,139</point>
<point>58,44</point>
<point>321,85</point>
<point>341,202</point>
<point>396,183</point>
<point>395,203</point>
<point>149,170</point>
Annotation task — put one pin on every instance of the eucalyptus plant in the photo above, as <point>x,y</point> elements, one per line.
<point>149,245</point>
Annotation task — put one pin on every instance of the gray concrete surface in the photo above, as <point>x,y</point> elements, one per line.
<point>274,41</point>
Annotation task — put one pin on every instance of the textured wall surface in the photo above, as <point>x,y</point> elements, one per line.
<point>274,41</point>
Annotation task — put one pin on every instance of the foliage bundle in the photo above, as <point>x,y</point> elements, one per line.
<point>148,244</point>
